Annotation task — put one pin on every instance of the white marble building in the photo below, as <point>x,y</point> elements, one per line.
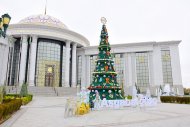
<point>146,64</point>
<point>42,51</point>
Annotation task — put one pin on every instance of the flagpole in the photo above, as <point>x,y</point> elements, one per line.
<point>45,8</point>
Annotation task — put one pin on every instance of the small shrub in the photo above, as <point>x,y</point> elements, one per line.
<point>1,94</point>
<point>1,111</point>
<point>129,97</point>
<point>13,95</point>
<point>9,108</point>
<point>24,90</point>
<point>25,99</point>
<point>175,99</point>
<point>4,91</point>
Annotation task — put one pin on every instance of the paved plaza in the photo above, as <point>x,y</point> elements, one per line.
<point>49,112</point>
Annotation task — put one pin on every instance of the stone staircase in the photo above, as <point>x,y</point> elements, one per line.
<point>66,91</point>
<point>44,91</point>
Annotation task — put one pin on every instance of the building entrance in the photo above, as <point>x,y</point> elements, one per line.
<point>49,75</point>
<point>49,63</point>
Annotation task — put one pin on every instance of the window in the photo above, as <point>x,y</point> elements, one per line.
<point>166,67</point>
<point>48,54</point>
<point>79,70</point>
<point>142,70</point>
<point>93,59</point>
<point>16,62</point>
<point>119,67</point>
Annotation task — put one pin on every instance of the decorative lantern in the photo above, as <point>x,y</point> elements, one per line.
<point>6,19</point>
<point>1,24</point>
<point>4,23</point>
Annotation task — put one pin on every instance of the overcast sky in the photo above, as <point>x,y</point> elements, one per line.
<point>128,20</point>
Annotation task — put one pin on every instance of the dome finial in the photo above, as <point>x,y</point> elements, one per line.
<point>103,20</point>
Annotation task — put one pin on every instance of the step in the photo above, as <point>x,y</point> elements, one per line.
<point>45,91</point>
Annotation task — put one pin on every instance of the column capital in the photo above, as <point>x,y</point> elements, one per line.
<point>133,54</point>
<point>125,55</point>
<point>24,38</point>
<point>68,43</point>
<point>34,38</point>
<point>150,53</point>
<point>74,44</point>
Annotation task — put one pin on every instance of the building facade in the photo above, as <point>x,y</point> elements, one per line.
<point>145,64</point>
<point>42,51</point>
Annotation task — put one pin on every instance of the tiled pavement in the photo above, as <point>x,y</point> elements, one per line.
<point>49,112</point>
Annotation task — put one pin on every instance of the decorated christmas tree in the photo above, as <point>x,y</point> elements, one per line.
<point>104,76</point>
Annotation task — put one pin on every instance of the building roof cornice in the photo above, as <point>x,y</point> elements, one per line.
<point>42,30</point>
<point>171,42</point>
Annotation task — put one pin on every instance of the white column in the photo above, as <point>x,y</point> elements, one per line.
<point>157,78</point>
<point>129,70</point>
<point>125,74</point>
<point>150,67</point>
<point>32,68</point>
<point>67,64</point>
<point>88,76</point>
<point>1,62</point>
<point>23,60</point>
<point>5,63</point>
<point>130,73</point>
<point>83,78</point>
<point>74,84</point>
<point>4,47</point>
<point>11,65</point>
<point>133,66</point>
<point>175,64</point>
<point>63,66</point>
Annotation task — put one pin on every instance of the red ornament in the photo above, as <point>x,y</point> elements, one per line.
<point>106,68</point>
<point>107,80</point>
<point>108,53</point>
<point>106,40</point>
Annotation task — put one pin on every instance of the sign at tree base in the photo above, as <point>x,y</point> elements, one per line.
<point>118,104</point>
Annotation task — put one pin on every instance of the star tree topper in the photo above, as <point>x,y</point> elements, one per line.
<point>103,20</point>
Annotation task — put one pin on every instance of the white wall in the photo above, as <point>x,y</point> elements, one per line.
<point>157,74</point>
<point>155,62</point>
<point>175,63</point>
<point>4,49</point>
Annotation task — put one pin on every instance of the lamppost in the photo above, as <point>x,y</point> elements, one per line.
<point>4,23</point>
